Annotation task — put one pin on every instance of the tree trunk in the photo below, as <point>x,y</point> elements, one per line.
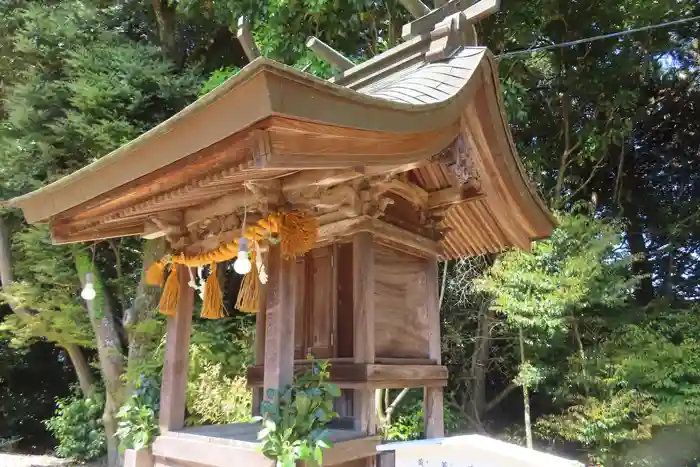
<point>479,366</point>
<point>634,234</point>
<point>109,352</point>
<point>581,352</point>
<point>5,259</point>
<point>82,369</point>
<point>526,396</point>
<point>145,303</point>
<point>165,18</point>
<point>640,259</point>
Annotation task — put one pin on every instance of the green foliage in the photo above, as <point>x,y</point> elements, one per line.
<point>138,417</point>
<point>217,78</point>
<point>47,287</point>
<point>640,379</point>
<point>294,418</point>
<point>408,425</point>
<point>228,342</point>
<point>220,352</point>
<point>215,398</point>
<point>78,427</point>
<point>576,269</point>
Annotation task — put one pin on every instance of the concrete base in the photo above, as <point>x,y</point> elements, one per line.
<point>140,458</point>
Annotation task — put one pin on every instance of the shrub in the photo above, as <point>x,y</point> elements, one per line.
<point>138,417</point>
<point>216,398</point>
<point>294,418</point>
<point>78,427</point>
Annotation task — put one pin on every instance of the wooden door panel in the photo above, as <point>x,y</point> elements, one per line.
<point>300,314</point>
<point>322,309</point>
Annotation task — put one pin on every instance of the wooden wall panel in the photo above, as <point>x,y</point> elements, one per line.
<point>400,301</point>
<point>345,305</point>
<point>322,308</point>
<point>300,307</point>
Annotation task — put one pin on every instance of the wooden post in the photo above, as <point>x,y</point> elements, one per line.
<point>260,319</point>
<point>433,397</point>
<point>279,321</point>
<point>363,325</point>
<point>177,343</point>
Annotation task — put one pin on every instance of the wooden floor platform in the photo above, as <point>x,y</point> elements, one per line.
<point>237,444</point>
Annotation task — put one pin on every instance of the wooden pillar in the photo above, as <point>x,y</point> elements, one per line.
<point>433,397</point>
<point>177,343</point>
<point>260,325</point>
<point>279,321</point>
<point>363,325</point>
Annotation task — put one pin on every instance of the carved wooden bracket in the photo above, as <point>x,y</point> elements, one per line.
<point>265,193</point>
<point>457,159</point>
<point>167,224</point>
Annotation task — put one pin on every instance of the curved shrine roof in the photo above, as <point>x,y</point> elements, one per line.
<point>437,125</point>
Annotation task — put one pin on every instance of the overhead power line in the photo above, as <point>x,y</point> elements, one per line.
<point>599,38</point>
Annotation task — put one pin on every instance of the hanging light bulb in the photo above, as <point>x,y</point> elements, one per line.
<point>242,264</point>
<point>88,293</point>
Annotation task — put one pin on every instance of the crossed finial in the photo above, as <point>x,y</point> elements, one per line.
<point>427,19</point>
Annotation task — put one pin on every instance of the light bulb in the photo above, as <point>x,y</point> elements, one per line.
<point>88,292</point>
<point>242,264</point>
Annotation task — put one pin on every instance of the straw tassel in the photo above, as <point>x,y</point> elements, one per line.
<point>155,274</point>
<point>249,294</point>
<point>298,233</point>
<point>213,306</point>
<point>171,294</point>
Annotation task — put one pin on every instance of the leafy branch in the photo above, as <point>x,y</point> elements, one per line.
<point>294,418</point>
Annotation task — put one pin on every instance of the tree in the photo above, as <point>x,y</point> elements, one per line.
<point>67,106</point>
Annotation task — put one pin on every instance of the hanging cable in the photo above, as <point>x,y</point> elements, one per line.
<point>598,38</point>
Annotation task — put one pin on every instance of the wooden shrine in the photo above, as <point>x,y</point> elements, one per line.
<point>399,162</point>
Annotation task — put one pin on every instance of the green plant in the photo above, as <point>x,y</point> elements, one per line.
<point>217,398</point>
<point>138,417</point>
<point>294,418</point>
<point>78,427</point>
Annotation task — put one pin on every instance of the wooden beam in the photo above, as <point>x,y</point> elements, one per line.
<point>364,324</point>
<point>327,53</point>
<point>175,365</point>
<point>415,7</point>
<point>163,224</point>
<point>369,374</point>
<point>433,399</point>
<point>285,149</point>
<point>453,195</point>
<point>482,9</point>
<point>317,178</point>
<point>220,206</point>
<point>398,237</point>
<point>245,37</point>
<point>409,191</point>
<point>383,232</point>
<point>279,321</point>
<point>60,235</point>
